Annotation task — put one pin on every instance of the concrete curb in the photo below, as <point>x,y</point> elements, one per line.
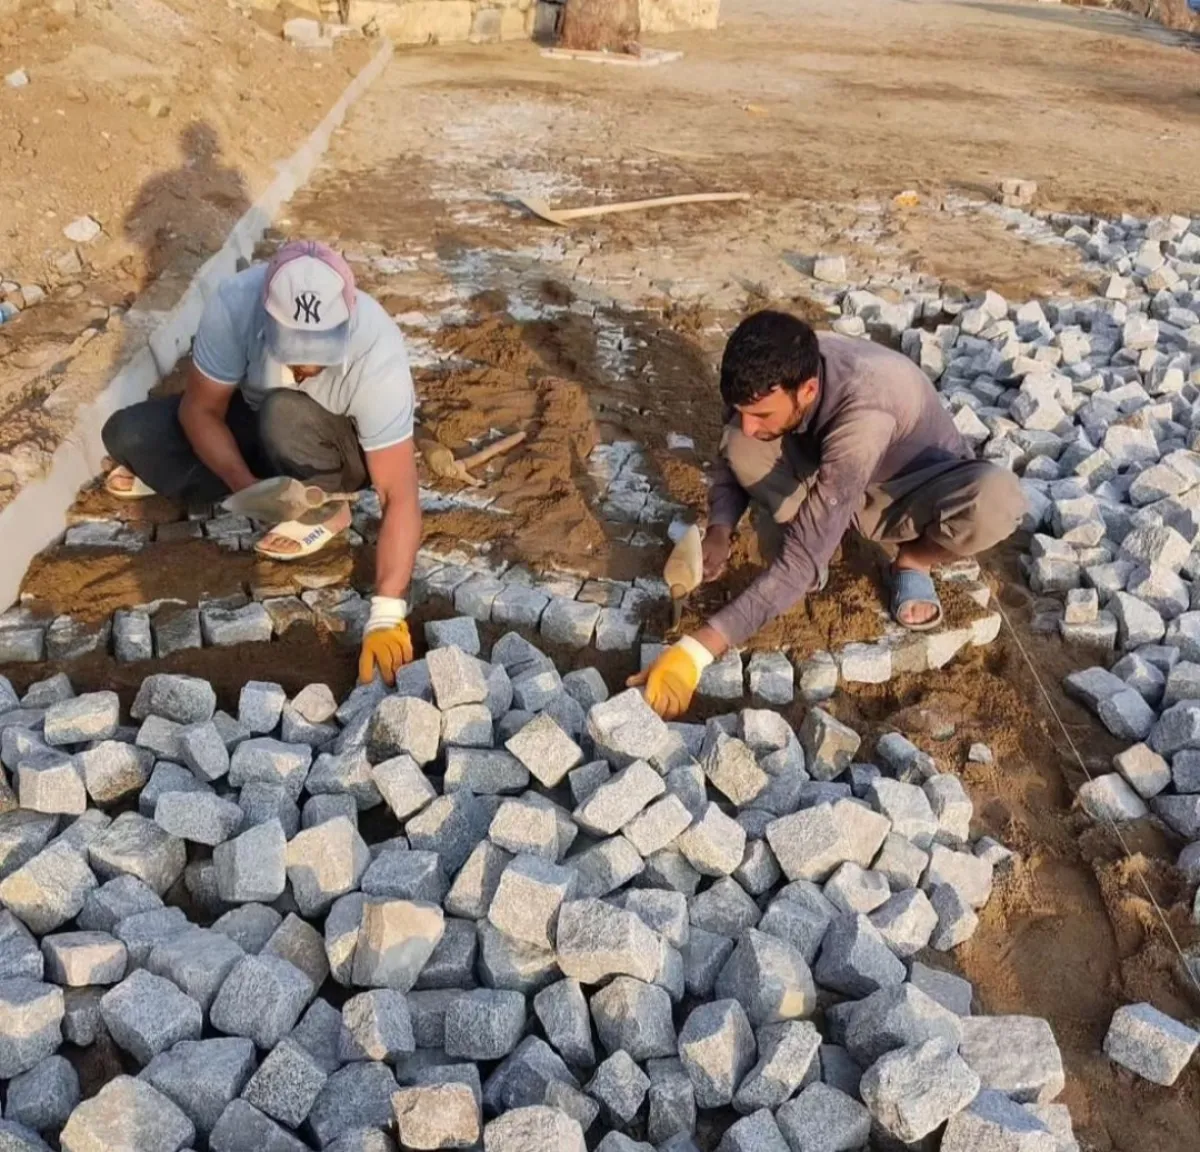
<point>38,515</point>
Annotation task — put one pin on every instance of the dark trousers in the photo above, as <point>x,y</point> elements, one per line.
<point>290,435</point>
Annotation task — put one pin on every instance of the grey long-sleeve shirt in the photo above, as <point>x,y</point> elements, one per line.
<point>877,417</point>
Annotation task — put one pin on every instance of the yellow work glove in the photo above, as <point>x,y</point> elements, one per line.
<point>670,682</point>
<point>386,644</point>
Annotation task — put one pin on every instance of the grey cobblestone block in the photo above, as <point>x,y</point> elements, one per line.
<point>202,1076</point>
<point>970,876</point>
<point>907,807</point>
<point>950,991</point>
<point>863,829</point>
<point>49,889</point>
<point>49,782</point>
<point>142,932</point>
<point>1016,1055</point>
<point>459,632</point>
<point>451,826</point>
<point>286,1084</point>
<point>269,761</point>
<point>855,960</point>
<point>467,726</point>
<point>634,1017</point>
<point>525,828</point>
<point>620,1086</point>
<point>992,1120</point>
<point>956,919</point>
<point>395,940</point>
<point>376,1026</point>
<point>22,836</point>
<point>714,844</point>
<point>895,1017</point>
<point>759,871</point>
<point>43,693</point>
<point>535,689</point>
<point>587,686</point>
<point>244,1126</point>
<point>92,716</point>
<point>829,746</point>
<point>725,908</point>
<point>262,998</point>
<point>615,803</point>
<point>772,678</point>
<point>42,1099</point>
<point>822,1117</point>
<point>78,959</point>
<point>528,899</point>
<point>225,627</point>
<point>346,773</point>
<point>167,777</point>
<point>518,606</point>
<point>769,978</point>
<point>476,594</point>
<point>319,809</point>
<point>427,1010</point>
<point>799,915</point>
<point>1109,797</point>
<point>669,869</point>
<point>951,805</point>
<point>20,955</point>
<point>403,875</point>
<point>200,817</point>
<point>596,940</point>
<point>787,1055</point>
<point>486,1024</point>
<point>570,623</point>
<point>732,769</point>
<point>197,960</point>
<point>474,887</point>
<point>301,945</point>
<point>625,728</point>
<point>319,1034</point>
<point>536,1129</point>
<point>324,863</point>
<point>545,750</point>
<point>180,699</point>
<point>562,1011</point>
<point>854,889</point>
<point>403,786</point>
<point>717,1048</point>
<point>112,770</point>
<point>253,866</point>
<point>31,1016</point>
<point>672,1102</point>
<point>135,846</point>
<point>175,630</point>
<point>512,965</point>
<point>249,926</point>
<point>1150,1043</point>
<point>906,922</point>
<point>704,957</point>
<point>441,1111</point>
<point>146,1014</point>
<point>457,678</point>
<point>500,691</point>
<point>127,1115</point>
<point>404,726</point>
<point>914,1090</point>
<point>658,826</point>
<point>809,845</point>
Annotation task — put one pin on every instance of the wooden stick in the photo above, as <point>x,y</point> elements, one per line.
<point>562,216</point>
<point>507,444</point>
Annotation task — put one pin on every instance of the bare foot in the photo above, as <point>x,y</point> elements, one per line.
<point>917,612</point>
<point>279,545</point>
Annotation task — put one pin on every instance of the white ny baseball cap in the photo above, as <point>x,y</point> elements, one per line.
<point>310,299</point>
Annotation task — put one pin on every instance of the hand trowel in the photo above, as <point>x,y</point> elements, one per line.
<point>684,571</point>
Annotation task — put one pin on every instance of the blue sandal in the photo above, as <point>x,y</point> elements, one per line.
<point>912,587</point>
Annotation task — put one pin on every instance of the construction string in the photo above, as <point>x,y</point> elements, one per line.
<point>1108,819</point>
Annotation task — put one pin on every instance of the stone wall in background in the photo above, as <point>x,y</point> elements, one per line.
<point>485,21</point>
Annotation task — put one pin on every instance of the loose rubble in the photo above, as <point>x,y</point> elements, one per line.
<point>550,938</point>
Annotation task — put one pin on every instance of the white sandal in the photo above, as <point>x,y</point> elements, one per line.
<point>137,489</point>
<point>311,532</point>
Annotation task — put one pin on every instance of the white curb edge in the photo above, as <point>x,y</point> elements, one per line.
<point>38,514</point>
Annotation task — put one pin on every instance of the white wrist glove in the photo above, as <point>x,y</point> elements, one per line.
<point>386,612</point>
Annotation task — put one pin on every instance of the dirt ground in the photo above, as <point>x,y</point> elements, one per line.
<point>824,110</point>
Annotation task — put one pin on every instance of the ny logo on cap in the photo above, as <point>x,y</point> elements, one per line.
<point>308,308</point>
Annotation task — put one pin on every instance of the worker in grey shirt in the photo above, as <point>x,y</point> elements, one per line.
<point>825,433</point>
<point>294,372</point>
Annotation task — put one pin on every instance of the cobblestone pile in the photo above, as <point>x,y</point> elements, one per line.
<point>497,905</point>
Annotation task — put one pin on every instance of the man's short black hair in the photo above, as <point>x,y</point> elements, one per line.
<point>768,350</point>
